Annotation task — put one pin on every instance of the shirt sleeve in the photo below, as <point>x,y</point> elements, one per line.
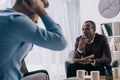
<point>25,29</point>
<point>77,53</point>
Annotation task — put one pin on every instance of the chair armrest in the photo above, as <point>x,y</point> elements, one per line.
<point>37,76</point>
<point>67,63</point>
<point>115,63</point>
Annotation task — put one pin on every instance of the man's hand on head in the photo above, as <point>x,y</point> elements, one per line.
<point>35,6</point>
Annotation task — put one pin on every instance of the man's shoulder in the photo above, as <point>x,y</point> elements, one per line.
<point>100,36</point>
<point>9,12</point>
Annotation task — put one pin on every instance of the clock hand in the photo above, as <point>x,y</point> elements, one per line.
<point>108,6</point>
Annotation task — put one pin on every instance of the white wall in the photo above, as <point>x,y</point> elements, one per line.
<point>89,11</point>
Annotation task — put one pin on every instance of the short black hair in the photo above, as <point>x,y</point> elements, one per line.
<point>18,1</point>
<point>46,3</point>
<point>93,24</point>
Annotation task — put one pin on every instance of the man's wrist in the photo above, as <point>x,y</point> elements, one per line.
<point>79,50</point>
<point>42,13</point>
<point>93,62</point>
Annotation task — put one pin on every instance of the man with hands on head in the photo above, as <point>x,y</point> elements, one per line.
<point>91,51</point>
<point>18,33</point>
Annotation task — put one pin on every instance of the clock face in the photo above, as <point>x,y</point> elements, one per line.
<point>109,8</point>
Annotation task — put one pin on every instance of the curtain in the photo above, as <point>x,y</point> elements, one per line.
<point>3,4</point>
<point>67,14</point>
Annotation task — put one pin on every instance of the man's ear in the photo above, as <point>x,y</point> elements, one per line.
<point>27,5</point>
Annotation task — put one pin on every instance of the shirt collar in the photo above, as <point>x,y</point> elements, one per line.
<point>92,39</point>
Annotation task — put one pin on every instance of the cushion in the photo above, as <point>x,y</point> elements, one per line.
<point>37,76</point>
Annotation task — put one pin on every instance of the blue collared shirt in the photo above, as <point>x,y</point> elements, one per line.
<point>17,34</point>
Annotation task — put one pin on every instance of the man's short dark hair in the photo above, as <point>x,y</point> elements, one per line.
<point>46,3</point>
<point>18,1</point>
<point>93,24</point>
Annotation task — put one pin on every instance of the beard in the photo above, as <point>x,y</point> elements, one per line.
<point>88,36</point>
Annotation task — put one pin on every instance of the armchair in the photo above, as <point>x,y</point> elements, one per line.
<point>108,68</point>
<point>34,75</point>
<point>69,61</point>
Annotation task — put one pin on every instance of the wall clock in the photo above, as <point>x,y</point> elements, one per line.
<point>109,8</point>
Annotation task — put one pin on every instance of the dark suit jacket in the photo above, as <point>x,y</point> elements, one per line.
<point>100,49</point>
